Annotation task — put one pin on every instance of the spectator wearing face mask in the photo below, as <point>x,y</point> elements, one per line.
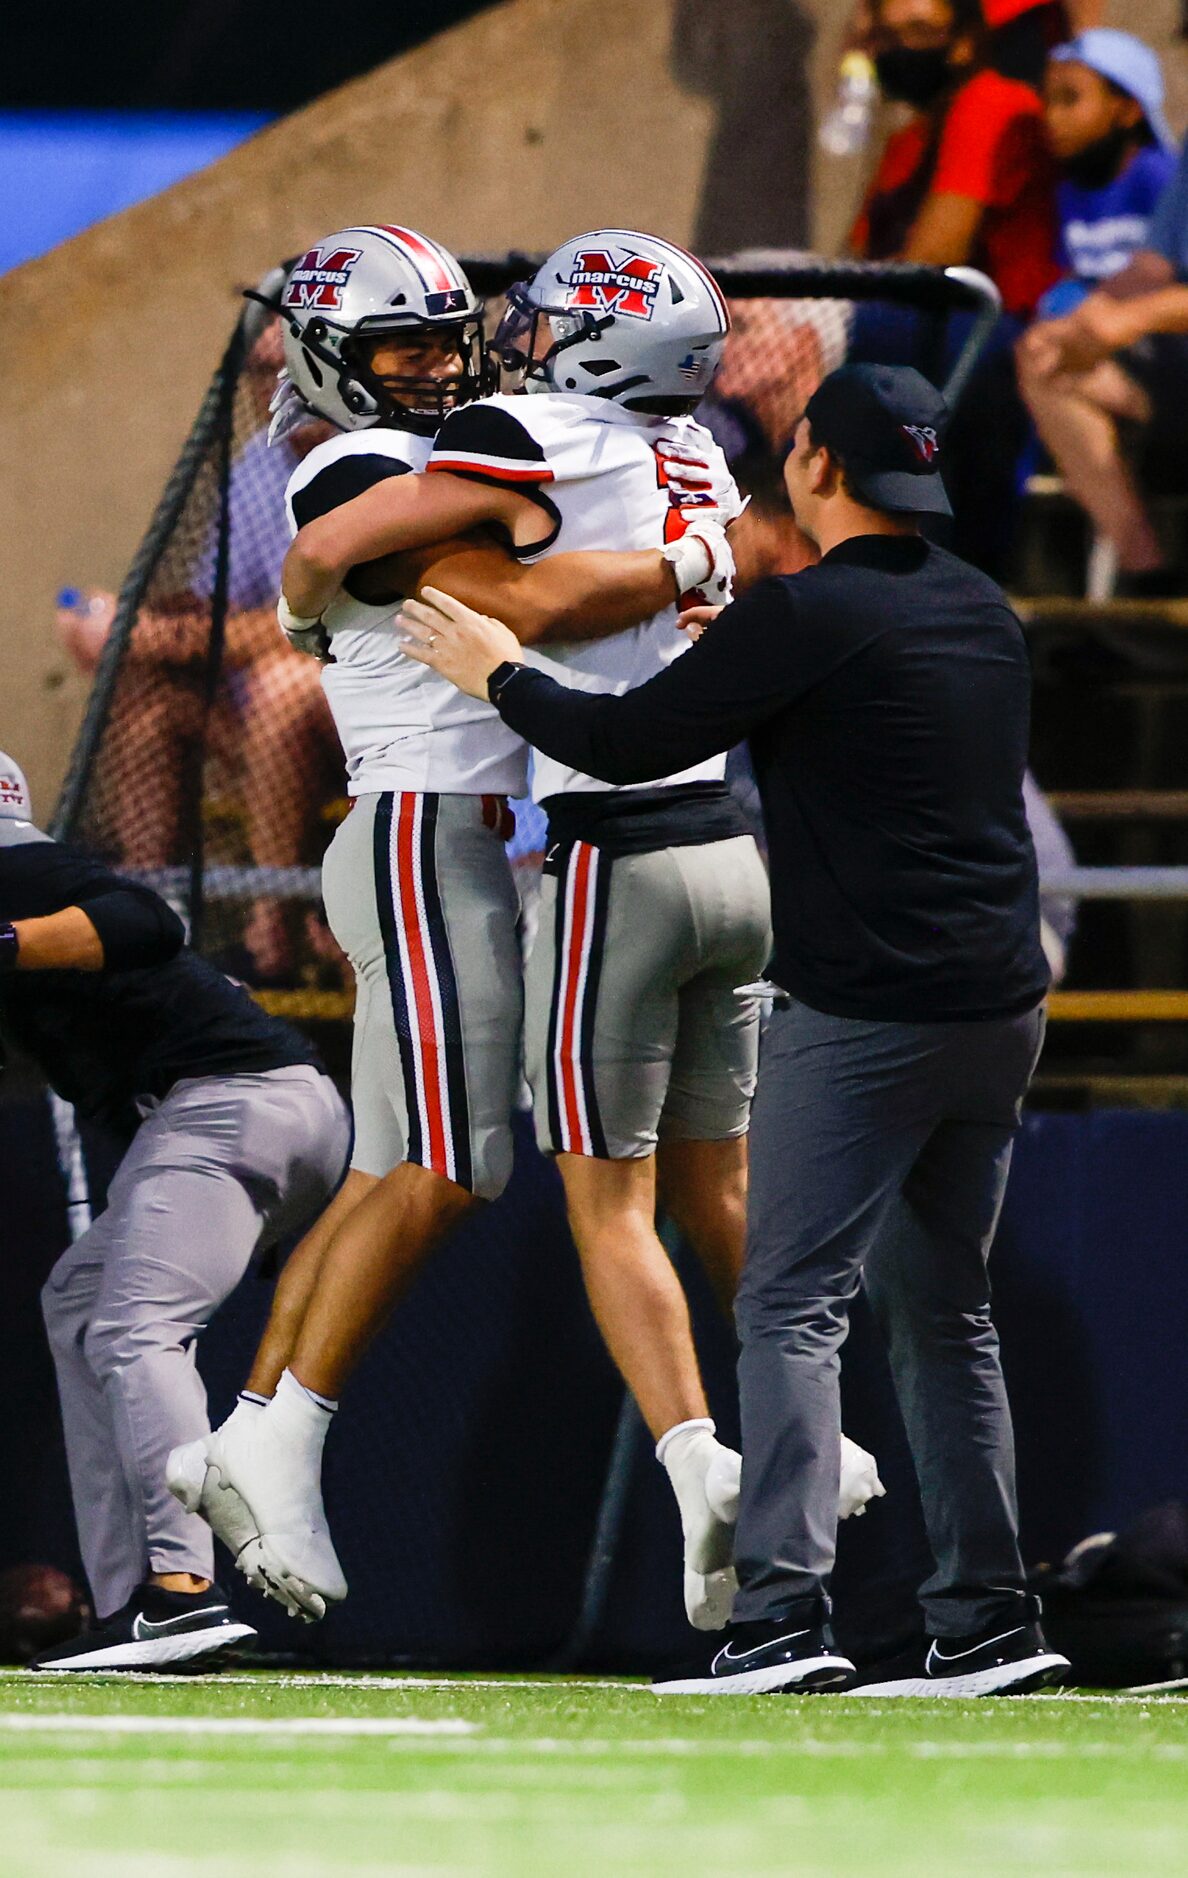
<point>1103,113</point>
<point>968,180</point>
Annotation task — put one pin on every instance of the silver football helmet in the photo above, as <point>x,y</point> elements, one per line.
<point>362,284</point>
<point>618,315</point>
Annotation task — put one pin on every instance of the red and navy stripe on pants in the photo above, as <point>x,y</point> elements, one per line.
<point>423,985</point>
<point>583,892</point>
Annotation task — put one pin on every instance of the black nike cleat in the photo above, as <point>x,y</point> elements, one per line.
<point>156,1629</point>
<point>1006,1659</point>
<point>787,1655</point>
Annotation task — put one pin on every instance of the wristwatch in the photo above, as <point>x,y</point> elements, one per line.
<point>499,678</point>
<point>10,946</point>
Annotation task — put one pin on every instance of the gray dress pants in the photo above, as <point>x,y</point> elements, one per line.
<point>219,1169</point>
<point>879,1155</point>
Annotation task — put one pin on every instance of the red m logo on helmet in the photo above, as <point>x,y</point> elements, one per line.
<point>318,279</point>
<point>601,285</point>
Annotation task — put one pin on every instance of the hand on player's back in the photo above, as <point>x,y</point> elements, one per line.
<point>464,646</point>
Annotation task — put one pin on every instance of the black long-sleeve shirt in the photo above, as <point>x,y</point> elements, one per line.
<point>154,1014</point>
<point>885,694</point>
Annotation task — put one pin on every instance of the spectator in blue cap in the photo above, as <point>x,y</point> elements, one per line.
<point>1103,113</point>
<point>1112,373</point>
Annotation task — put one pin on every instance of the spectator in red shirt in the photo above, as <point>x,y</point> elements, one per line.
<point>968,180</point>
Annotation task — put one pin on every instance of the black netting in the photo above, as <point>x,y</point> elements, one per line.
<point>208,763</point>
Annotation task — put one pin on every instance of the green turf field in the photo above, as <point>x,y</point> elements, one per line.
<point>295,1776</point>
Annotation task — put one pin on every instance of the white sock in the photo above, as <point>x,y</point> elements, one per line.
<point>247,1409</point>
<point>300,1417</point>
<point>329,1403</point>
<point>687,1453</point>
<point>675,1442</point>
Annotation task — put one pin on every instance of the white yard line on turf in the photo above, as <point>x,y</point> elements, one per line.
<point>1152,1694</point>
<point>231,1725</point>
<point>466,1738</point>
<point>305,1679</point>
<point>831,1750</point>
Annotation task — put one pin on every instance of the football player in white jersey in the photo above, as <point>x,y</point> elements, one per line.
<point>383,338</point>
<point>640,1054</point>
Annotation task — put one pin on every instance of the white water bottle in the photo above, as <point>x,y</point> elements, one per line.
<point>846,131</point>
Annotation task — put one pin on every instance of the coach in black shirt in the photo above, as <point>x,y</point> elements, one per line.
<point>238,1136</point>
<point>885,696</point>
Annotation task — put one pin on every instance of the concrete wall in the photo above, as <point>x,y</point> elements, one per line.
<point>693,117</point>
<point>533,120</point>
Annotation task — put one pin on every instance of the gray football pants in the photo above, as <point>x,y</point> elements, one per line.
<point>879,1154</point>
<point>219,1169</point>
<point>634,1033</point>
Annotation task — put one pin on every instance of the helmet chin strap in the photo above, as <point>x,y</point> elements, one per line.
<point>616,390</point>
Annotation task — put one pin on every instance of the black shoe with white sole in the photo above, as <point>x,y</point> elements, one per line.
<point>1006,1659</point>
<point>788,1656</point>
<point>157,1629</point>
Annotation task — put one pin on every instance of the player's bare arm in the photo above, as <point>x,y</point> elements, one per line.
<point>566,597</point>
<point>396,515</point>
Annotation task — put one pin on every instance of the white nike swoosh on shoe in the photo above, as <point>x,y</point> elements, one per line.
<point>144,1630</point>
<point>727,1655</point>
<point>957,1655</point>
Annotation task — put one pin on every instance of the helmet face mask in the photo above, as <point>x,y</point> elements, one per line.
<point>616,315</point>
<point>524,353</point>
<point>364,285</point>
<point>420,401</point>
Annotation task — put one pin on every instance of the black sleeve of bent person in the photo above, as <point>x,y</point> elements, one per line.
<point>135,926</point>
<point>739,673</point>
<point>332,488</point>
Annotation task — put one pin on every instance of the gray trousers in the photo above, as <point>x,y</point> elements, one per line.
<point>879,1154</point>
<point>219,1169</point>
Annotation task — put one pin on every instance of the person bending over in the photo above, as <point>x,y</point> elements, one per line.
<point>237,1137</point>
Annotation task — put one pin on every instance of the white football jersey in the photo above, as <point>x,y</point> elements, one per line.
<point>401,726</point>
<point>598,473</point>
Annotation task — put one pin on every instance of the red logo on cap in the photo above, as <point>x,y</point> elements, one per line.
<point>923,439</point>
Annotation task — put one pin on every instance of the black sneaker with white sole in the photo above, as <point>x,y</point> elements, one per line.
<point>156,1629</point>
<point>1006,1659</point>
<point>789,1655</point>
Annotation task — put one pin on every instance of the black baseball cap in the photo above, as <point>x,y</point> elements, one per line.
<point>886,424</point>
